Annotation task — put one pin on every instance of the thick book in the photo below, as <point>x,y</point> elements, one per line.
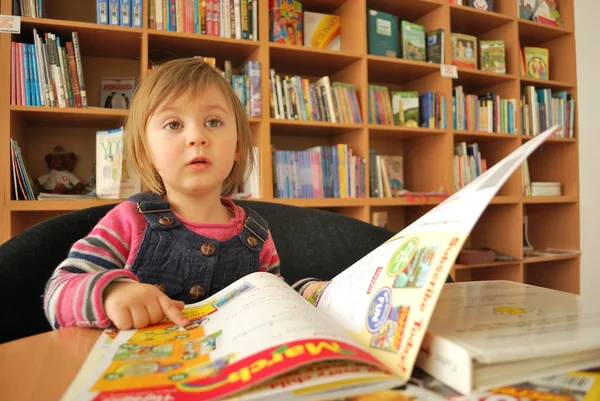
<point>496,333</point>
<point>260,339</point>
<point>382,33</point>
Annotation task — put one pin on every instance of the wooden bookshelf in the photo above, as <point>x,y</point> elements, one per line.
<point>428,153</point>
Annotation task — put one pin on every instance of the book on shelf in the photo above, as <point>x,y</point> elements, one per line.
<point>467,164</point>
<point>386,175</point>
<point>322,31</point>
<point>45,73</point>
<point>485,5</point>
<point>23,186</point>
<point>547,13</point>
<point>257,336</point>
<point>485,112</point>
<point>226,19</point>
<point>413,41</point>
<point>539,188</point>
<point>495,333</point>
<point>434,51</point>
<point>464,50</point>
<point>543,107</point>
<point>319,172</point>
<point>382,33</point>
<point>536,61</point>
<point>286,22</point>
<point>297,98</point>
<point>115,178</point>
<point>116,92</point>
<point>29,8</point>
<point>492,56</point>
<point>406,108</point>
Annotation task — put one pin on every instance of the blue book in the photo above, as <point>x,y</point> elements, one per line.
<point>102,12</point>
<point>114,12</point>
<point>125,12</point>
<point>136,13</point>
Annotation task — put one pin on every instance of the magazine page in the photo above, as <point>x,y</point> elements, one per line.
<point>385,300</point>
<point>255,329</point>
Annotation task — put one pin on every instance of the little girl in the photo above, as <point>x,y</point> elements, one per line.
<point>183,240</point>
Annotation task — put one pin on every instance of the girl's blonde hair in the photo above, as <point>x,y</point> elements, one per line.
<point>168,81</point>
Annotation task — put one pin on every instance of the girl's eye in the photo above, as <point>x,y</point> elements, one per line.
<point>173,125</point>
<point>213,123</point>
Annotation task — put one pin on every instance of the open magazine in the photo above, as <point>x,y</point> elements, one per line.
<point>259,339</point>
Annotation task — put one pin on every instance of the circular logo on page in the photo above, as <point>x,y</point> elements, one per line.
<point>379,309</point>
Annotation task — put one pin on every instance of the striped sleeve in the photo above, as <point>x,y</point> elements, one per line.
<point>269,259</point>
<point>73,295</point>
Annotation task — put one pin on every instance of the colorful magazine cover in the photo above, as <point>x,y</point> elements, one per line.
<point>257,337</point>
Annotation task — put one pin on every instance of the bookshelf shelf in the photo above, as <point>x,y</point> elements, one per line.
<point>323,202</point>
<point>311,128</point>
<point>477,78</point>
<point>308,61</point>
<point>551,140</point>
<point>467,136</point>
<point>545,259</point>
<point>392,132</point>
<point>57,205</point>
<point>90,117</point>
<point>407,201</point>
<point>505,200</point>
<point>533,200</point>
<point>547,83</point>
<point>459,266</point>
<point>533,32</point>
<point>165,44</point>
<point>427,154</point>
<point>472,21</point>
<point>397,70</point>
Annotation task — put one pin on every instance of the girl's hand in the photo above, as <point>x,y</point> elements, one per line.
<point>314,290</point>
<point>135,305</point>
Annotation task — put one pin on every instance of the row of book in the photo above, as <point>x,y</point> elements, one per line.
<point>487,112</point>
<point>120,12</point>
<point>541,109</point>
<point>29,8</point>
<point>467,164</point>
<point>386,175</point>
<point>406,108</point>
<point>383,32</point>
<point>319,172</point>
<point>46,73</point>
<point>22,184</point>
<point>236,19</point>
<point>296,98</point>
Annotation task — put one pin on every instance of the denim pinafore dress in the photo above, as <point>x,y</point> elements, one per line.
<point>187,266</point>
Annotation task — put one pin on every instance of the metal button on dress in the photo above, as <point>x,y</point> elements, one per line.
<point>196,291</point>
<point>165,221</point>
<point>207,249</point>
<point>252,241</point>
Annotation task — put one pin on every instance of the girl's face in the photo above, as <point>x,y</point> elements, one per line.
<point>193,142</point>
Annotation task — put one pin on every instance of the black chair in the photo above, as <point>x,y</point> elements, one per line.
<point>310,243</point>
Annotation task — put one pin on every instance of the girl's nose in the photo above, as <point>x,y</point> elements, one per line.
<point>197,137</point>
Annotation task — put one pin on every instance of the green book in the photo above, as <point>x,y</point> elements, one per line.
<point>382,32</point>
<point>413,41</point>
<point>492,56</point>
<point>405,108</point>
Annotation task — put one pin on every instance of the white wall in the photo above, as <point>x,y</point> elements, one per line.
<point>588,60</point>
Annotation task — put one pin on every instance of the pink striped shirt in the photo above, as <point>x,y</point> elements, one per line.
<point>73,294</point>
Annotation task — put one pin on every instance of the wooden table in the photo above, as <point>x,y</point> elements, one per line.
<point>41,367</point>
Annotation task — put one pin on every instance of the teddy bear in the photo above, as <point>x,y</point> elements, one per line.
<point>60,179</point>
